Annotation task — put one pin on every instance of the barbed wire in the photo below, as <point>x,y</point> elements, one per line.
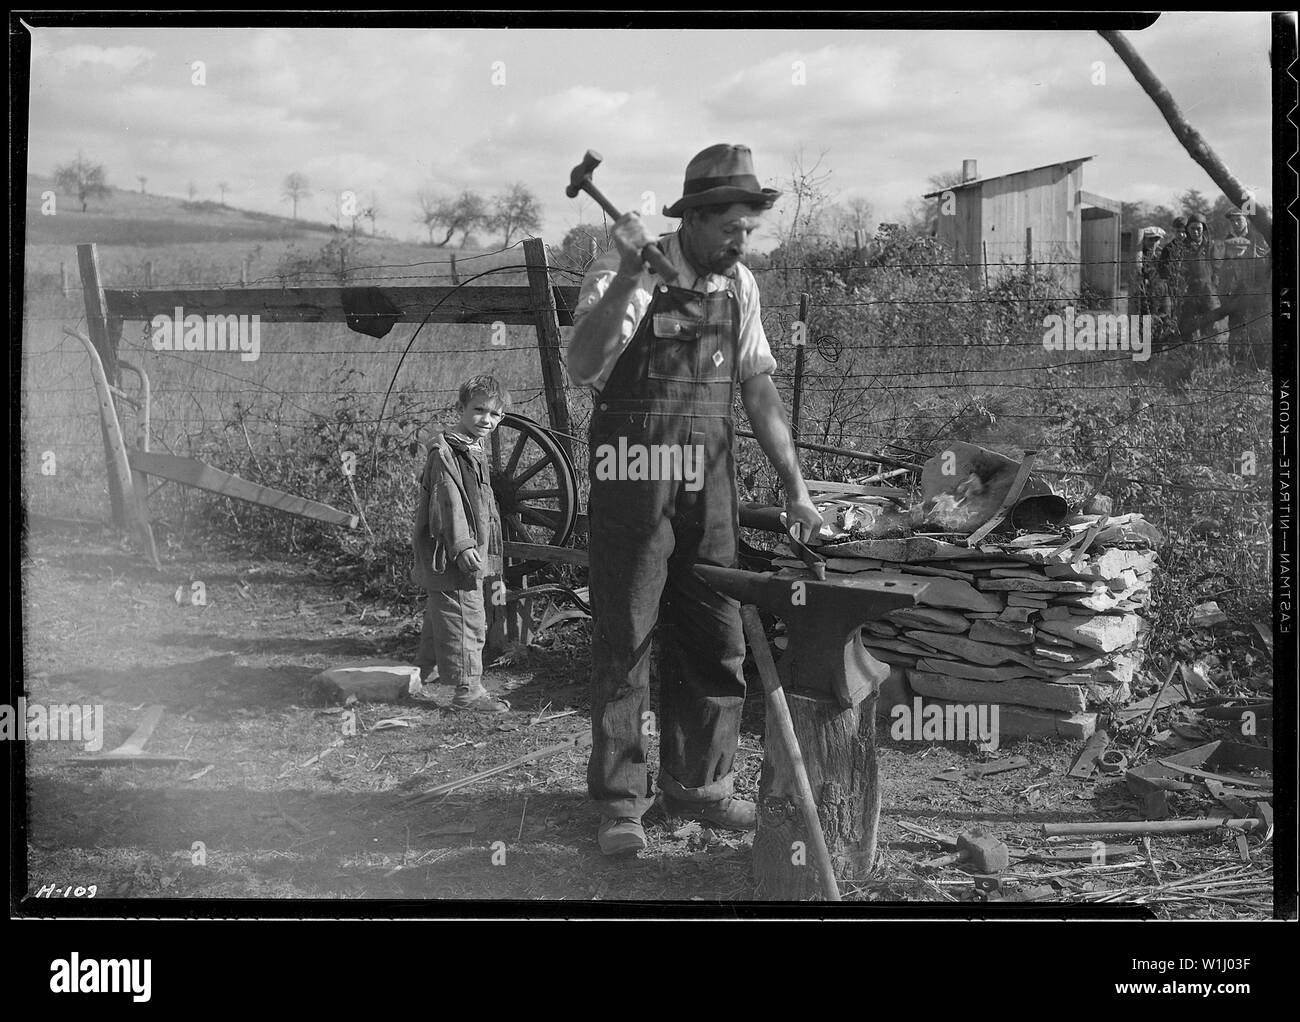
<point>862,432</point>
<point>340,277</point>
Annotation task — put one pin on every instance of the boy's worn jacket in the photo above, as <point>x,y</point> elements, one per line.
<point>456,511</point>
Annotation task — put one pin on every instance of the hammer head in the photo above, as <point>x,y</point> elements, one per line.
<point>582,172</point>
<point>987,853</point>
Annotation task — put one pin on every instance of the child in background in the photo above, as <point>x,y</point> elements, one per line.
<point>457,544</point>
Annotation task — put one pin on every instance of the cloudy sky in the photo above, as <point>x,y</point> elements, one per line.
<point>394,111</point>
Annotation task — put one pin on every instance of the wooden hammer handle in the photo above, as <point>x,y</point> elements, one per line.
<point>779,714</point>
<point>651,253</point>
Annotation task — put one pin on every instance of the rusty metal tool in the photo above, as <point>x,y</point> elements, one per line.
<point>778,714</point>
<point>979,770</point>
<point>1087,762</point>
<point>1262,822</point>
<point>816,562</point>
<point>823,621</point>
<point>580,181</point>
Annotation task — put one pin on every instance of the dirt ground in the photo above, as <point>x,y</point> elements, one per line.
<point>293,809</point>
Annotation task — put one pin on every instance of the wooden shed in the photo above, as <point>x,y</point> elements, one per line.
<point>1042,215</point>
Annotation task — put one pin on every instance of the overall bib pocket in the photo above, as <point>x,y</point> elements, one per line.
<point>674,347</point>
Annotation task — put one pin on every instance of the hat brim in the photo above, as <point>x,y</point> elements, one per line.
<point>723,194</point>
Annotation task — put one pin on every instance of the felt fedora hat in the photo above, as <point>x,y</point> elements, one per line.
<point>721,173</point>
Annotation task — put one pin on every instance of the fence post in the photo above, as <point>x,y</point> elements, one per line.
<point>243,272</point>
<point>548,339</point>
<point>104,337</point>
<point>63,279</point>
<point>148,273</point>
<point>1029,268</point>
<point>804,298</point>
<point>343,267</point>
<point>455,276</point>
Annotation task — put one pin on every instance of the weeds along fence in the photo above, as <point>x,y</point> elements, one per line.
<point>904,349</point>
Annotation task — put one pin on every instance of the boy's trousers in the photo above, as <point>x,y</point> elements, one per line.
<point>455,628</point>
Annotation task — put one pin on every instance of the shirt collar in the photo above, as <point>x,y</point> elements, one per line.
<point>458,439</point>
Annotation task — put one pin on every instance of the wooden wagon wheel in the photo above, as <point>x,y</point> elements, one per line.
<point>536,488</point>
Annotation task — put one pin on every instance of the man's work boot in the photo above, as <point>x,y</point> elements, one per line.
<point>621,835</point>
<point>476,697</point>
<point>728,813</point>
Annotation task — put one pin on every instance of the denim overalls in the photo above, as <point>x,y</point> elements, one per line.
<point>673,385</point>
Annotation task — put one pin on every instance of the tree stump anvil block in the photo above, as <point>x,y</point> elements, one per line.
<point>830,681</point>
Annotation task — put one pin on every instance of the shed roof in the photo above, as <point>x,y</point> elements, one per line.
<point>1027,170</point>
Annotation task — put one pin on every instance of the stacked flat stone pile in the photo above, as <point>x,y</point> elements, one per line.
<point>1046,626</point>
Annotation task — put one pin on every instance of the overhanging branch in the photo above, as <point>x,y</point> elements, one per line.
<point>1191,139</point>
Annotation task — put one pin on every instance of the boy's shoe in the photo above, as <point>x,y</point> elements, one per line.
<point>478,699</point>
<point>621,835</point>
<point>729,813</point>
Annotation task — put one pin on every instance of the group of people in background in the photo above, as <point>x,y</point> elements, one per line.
<point>1192,282</point>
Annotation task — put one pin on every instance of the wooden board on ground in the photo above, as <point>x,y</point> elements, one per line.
<point>192,472</point>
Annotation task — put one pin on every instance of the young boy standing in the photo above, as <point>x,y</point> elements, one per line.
<point>457,544</point>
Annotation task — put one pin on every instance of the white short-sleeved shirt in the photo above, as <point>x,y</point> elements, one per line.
<point>754,355</point>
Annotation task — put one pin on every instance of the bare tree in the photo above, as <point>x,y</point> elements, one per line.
<point>463,213</point>
<point>83,179</point>
<point>1196,146</point>
<point>807,187</point>
<point>192,189</point>
<point>222,187</point>
<point>296,187</point>
<point>428,211</point>
<point>851,216</point>
<point>371,212</point>
<point>515,209</point>
<point>920,215</point>
<point>143,181</point>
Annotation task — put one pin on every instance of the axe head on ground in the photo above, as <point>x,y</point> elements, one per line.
<point>823,621</point>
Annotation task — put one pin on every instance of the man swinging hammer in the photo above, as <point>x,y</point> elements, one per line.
<point>664,362</point>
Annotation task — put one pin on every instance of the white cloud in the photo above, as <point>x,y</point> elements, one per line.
<point>120,59</point>
<point>399,110</point>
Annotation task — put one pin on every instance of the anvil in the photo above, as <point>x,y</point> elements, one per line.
<point>823,621</point>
